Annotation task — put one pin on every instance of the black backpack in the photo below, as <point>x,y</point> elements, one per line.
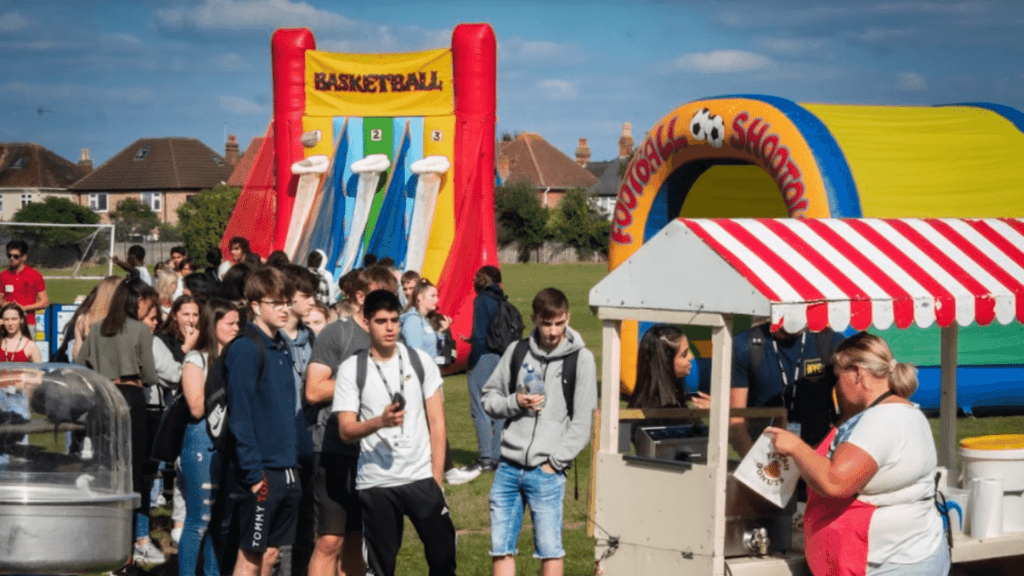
<point>506,327</point>
<point>216,393</point>
<point>568,373</point>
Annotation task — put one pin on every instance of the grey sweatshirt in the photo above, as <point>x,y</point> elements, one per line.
<point>533,438</point>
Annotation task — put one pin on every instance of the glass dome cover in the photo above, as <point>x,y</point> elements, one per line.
<point>65,470</point>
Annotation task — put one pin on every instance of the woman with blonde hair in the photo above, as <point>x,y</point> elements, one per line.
<point>93,311</point>
<point>870,507</point>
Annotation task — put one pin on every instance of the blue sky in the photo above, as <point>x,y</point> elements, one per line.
<point>102,74</point>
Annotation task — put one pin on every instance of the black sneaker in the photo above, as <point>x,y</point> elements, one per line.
<point>487,464</point>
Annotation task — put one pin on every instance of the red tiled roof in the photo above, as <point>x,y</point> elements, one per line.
<point>159,164</point>
<point>245,163</point>
<point>533,159</point>
<point>32,166</point>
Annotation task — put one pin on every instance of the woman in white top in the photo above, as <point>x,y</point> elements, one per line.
<point>871,509</point>
<point>199,461</point>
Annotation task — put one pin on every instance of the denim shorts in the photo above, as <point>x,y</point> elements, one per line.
<point>515,487</point>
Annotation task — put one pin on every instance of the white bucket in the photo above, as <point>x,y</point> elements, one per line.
<point>1002,457</point>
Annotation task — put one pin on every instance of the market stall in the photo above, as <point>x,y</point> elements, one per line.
<point>660,517</point>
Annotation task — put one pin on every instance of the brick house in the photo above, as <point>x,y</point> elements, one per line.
<point>531,158</point>
<point>245,162</point>
<point>29,173</point>
<point>161,172</point>
<point>606,190</point>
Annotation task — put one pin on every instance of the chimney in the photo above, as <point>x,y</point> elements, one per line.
<point>583,153</point>
<point>85,160</point>
<point>626,140</point>
<point>231,150</point>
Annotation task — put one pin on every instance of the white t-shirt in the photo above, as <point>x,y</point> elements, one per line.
<point>905,527</point>
<point>398,455</point>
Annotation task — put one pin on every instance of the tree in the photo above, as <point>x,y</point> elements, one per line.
<point>578,222</point>
<point>520,217</point>
<point>132,218</point>
<point>55,210</point>
<point>203,219</point>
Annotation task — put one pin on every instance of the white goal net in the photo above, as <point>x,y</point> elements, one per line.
<point>83,251</point>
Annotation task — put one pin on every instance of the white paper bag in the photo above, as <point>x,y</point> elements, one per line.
<point>768,473</point>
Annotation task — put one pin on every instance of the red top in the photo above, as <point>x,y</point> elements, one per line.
<point>23,287</point>
<point>17,356</point>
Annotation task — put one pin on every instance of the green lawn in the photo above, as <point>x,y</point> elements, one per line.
<point>469,502</point>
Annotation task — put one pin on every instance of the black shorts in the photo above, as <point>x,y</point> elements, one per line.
<point>268,517</point>
<point>336,508</point>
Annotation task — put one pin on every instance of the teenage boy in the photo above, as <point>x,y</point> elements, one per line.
<point>261,401</point>
<point>337,520</point>
<point>481,364</point>
<point>178,253</point>
<point>22,284</point>
<point>399,423</point>
<point>135,265</point>
<point>542,436</point>
<point>300,339</point>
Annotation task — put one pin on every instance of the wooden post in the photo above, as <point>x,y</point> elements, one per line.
<point>718,443</point>
<point>595,447</point>
<point>948,404</point>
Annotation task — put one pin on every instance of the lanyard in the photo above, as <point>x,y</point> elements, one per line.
<point>401,374</point>
<point>796,369</point>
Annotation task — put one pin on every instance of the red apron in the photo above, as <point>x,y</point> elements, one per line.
<point>836,530</point>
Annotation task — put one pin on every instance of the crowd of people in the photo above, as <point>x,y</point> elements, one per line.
<point>337,419</point>
<point>335,407</point>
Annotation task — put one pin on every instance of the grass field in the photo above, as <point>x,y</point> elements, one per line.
<point>469,502</point>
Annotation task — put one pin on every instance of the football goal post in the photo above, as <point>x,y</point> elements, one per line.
<point>63,251</point>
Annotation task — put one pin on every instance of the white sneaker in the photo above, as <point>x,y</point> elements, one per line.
<point>176,534</point>
<point>457,476</point>
<point>148,553</point>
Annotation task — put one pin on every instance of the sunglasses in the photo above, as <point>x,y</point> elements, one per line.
<point>13,256</point>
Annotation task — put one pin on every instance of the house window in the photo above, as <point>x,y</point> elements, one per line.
<point>20,162</point>
<point>217,160</point>
<point>26,199</point>
<point>98,201</point>
<point>154,200</point>
<point>141,153</point>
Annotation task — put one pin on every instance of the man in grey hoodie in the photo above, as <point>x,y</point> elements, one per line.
<point>540,438</point>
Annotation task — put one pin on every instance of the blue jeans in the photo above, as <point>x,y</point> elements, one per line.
<point>200,464</point>
<point>545,494</point>
<point>488,430</point>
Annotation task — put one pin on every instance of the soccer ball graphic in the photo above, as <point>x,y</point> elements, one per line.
<point>699,125</point>
<point>704,126</point>
<point>716,133</point>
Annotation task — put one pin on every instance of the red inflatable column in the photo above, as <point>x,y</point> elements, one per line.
<point>474,65</point>
<point>288,54</point>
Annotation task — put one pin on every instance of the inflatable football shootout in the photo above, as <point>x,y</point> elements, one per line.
<point>384,154</point>
<point>765,156</point>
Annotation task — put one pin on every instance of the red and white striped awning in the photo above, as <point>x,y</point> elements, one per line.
<point>819,273</point>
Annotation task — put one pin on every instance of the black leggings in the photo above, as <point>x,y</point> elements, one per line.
<point>136,399</point>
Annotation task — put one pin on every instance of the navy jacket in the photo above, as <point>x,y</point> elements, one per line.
<point>485,306</point>
<point>262,413</point>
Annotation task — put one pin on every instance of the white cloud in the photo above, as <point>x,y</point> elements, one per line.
<point>121,42</point>
<point>240,106</point>
<point>516,49</point>
<point>251,15</point>
<point>558,89</point>
<point>790,46</point>
<point>911,82</point>
<point>722,61</point>
<point>65,92</point>
<point>12,21</point>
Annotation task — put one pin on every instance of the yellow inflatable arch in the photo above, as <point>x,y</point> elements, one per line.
<point>765,156</point>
